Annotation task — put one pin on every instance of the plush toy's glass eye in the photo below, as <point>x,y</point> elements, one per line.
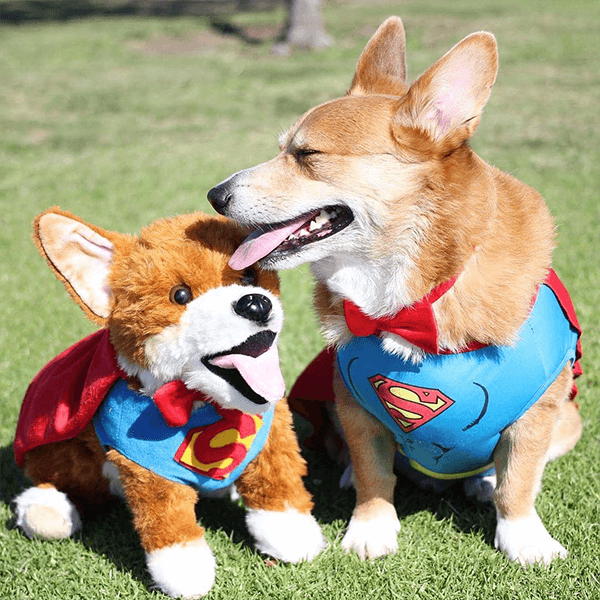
<point>180,294</point>
<point>249,277</point>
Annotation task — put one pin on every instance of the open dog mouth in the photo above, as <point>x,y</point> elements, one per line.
<point>252,368</point>
<point>277,240</point>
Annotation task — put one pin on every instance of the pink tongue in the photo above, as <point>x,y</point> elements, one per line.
<point>257,245</point>
<point>262,373</point>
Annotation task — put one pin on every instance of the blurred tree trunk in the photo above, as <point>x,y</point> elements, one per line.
<point>304,27</point>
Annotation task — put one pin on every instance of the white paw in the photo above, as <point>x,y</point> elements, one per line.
<point>183,570</point>
<point>481,488</point>
<point>374,537</point>
<point>527,541</point>
<point>46,513</point>
<point>288,535</point>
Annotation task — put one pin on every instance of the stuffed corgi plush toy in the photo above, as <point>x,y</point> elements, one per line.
<point>179,393</point>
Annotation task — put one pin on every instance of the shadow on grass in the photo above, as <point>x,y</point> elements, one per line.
<point>247,36</point>
<point>12,479</point>
<point>110,532</point>
<point>21,11</point>
<point>466,515</point>
<point>333,503</point>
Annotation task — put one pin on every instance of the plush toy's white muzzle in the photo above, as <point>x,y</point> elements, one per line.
<point>225,345</point>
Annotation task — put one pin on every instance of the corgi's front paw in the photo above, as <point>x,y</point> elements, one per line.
<point>288,535</point>
<point>183,570</point>
<point>527,541</point>
<point>374,535</point>
<point>46,513</point>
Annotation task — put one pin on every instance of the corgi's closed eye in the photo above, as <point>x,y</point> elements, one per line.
<point>301,154</point>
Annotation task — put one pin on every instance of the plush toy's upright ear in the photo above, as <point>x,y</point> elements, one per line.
<point>381,68</point>
<point>79,255</point>
<point>446,101</point>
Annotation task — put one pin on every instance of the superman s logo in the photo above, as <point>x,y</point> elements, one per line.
<point>409,405</point>
<point>216,450</point>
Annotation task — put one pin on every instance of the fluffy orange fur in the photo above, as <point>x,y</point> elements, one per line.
<point>163,510</point>
<point>192,249</point>
<point>273,481</point>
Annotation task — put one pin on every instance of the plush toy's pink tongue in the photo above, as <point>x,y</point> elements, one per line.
<point>261,373</point>
<point>260,243</point>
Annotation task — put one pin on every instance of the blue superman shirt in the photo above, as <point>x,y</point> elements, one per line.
<point>448,412</point>
<point>209,452</point>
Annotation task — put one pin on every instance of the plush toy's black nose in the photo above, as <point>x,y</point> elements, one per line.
<point>254,307</point>
<point>219,197</point>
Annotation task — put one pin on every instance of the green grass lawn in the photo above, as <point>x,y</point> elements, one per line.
<point>125,120</point>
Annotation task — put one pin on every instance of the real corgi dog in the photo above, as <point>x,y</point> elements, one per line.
<point>179,392</point>
<point>433,284</point>
<point>427,260</point>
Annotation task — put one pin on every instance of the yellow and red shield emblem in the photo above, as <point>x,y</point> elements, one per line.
<point>215,450</point>
<point>409,405</point>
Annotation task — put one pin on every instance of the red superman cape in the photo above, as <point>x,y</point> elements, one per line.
<point>65,395</point>
<point>312,392</point>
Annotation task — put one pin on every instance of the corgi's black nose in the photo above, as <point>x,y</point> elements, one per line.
<point>254,307</point>
<point>219,197</point>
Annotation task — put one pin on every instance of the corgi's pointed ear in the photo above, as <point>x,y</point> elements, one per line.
<point>79,255</point>
<point>381,68</point>
<point>447,100</point>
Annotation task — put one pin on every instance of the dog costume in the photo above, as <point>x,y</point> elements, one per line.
<point>447,413</point>
<point>208,447</point>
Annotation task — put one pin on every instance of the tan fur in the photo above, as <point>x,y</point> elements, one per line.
<point>425,209</point>
<point>524,447</point>
<point>386,49</point>
<point>500,243</point>
<point>372,449</point>
<point>473,212</point>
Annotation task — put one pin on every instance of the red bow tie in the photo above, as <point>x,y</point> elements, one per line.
<point>175,402</point>
<point>415,323</point>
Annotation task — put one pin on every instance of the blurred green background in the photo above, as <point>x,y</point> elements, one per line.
<point>125,119</point>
